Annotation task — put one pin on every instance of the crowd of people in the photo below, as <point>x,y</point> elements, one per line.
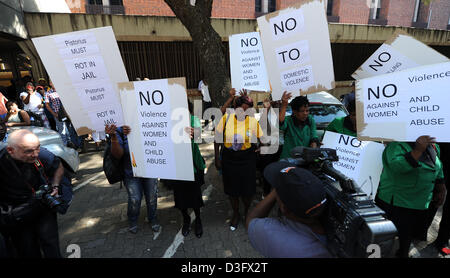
<point>412,186</point>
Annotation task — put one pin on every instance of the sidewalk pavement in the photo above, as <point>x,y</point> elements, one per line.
<point>97,221</point>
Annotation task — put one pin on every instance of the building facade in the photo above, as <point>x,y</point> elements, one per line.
<point>434,14</point>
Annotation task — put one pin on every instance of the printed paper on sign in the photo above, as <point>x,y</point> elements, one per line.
<point>156,113</point>
<point>247,65</point>
<point>297,49</point>
<point>287,24</point>
<point>298,78</point>
<point>361,161</point>
<point>293,54</point>
<point>398,53</point>
<point>404,105</point>
<point>85,67</point>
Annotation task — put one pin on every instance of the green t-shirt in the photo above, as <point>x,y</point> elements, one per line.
<point>404,182</point>
<point>199,162</point>
<point>337,125</point>
<point>294,137</point>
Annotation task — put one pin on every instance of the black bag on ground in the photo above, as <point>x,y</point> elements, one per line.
<point>112,166</point>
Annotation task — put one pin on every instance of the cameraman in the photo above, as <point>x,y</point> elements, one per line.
<point>299,232</point>
<point>28,222</point>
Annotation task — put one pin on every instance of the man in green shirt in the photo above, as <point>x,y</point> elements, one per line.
<point>411,180</point>
<point>299,128</point>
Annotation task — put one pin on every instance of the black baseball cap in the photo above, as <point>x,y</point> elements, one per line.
<point>300,190</point>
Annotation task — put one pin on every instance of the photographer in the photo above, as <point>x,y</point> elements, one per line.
<point>299,232</point>
<point>28,217</point>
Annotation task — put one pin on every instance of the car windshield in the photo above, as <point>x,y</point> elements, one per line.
<point>325,113</point>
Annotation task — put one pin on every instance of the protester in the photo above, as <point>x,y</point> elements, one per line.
<point>412,178</point>
<point>136,187</point>
<point>29,222</point>
<point>48,115</point>
<point>346,125</point>
<point>16,116</point>
<point>54,106</point>
<point>299,128</point>
<point>441,242</point>
<point>188,194</point>
<point>237,157</point>
<point>299,232</point>
<point>33,102</point>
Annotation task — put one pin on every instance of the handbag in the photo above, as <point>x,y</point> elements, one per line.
<point>112,167</point>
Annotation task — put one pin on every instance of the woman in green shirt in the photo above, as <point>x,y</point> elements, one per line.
<point>299,128</point>
<point>346,125</point>
<point>412,178</point>
<point>188,194</point>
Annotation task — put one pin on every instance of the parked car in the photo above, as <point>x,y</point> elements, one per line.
<point>52,141</point>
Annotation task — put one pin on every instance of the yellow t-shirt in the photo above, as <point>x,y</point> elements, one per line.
<point>241,134</point>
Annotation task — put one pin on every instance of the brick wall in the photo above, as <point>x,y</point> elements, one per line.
<point>351,11</point>
<point>440,11</point>
<point>77,6</point>
<point>398,12</point>
<point>147,7</point>
<point>233,8</point>
<point>394,12</point>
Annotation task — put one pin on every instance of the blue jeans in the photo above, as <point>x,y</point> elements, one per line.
<point>136,188</point>
<point>63,131</point>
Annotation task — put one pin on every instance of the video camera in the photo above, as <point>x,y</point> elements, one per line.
<point>354,222</point>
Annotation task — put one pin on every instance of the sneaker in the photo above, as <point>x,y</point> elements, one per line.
<point>155,226</point>
<point>133,229</point>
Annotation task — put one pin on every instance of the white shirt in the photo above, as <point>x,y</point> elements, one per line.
<point>205,92</point>
<point>35,101</point>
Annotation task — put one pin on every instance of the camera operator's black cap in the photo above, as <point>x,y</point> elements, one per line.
<point>299,189</point>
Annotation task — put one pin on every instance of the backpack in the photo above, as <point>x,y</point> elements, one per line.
<point>35,119</point>
<point>112,167</point>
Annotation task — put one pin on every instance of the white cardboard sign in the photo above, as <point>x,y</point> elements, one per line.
<point>85,67</point>
<point>361,161</point>
<point>405,105</point>
<point>157,113</point>
<point>398,53</point>
<point>297,49</point>
<point>247,65</point>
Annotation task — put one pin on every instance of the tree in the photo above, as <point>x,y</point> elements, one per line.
<point>196,17</point>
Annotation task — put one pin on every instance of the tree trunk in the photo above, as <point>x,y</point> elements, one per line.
<point>197,20</point>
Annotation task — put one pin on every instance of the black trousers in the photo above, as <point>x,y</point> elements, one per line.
<point>28,239</point>
<point>407,221</point>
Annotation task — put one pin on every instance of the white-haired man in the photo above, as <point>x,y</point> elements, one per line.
<point>27,220</point>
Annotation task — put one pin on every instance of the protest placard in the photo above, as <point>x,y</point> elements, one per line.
<point>398,53</point>
<point>85,67</point>
<point>361,161</point>
<point>404,105</point>
<point>297,49</point>
<point>247,65</point>
<point>157,113</point>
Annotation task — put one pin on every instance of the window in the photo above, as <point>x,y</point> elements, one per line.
<point>272,5</point>
<point>95,2</point>
<point>115,2</point>
<point>417,10</point>
<point>258,6</point>
<point>330,8</point>
<point>375,9</point>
